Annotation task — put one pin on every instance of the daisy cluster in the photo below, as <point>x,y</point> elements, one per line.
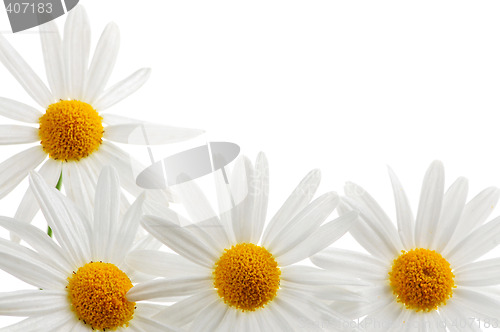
<point>106,264</point>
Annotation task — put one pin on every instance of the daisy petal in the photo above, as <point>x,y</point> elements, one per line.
<point>453,205</point>
<point>68,224</point>
<point>351,263</point>
<point>210,317</point>
<point>53,56</point>
<point>32,302</point>
<point>103,62</point>
<point>23,73</point>
<point>148,133</point>
<point>13,134</point>
<point>260,192</point>
<point>476,244</point>
<point>180,240</point>
<point>79,187</point>
<point>49,322</point>
<point>39,241</point>
<point>475,213</point>
<point>146,324</point>
<point>429,208</point>
<point>304,224</point>
<point>241,213</point>
<point>483,273</point>
<point>298,200</point>
<point>123,89</point>
<point>26,266</point>
<point>106,214</point>
<point>406,222</point>
<point>319,240</point>
<point>50,172</point>
<point>163,264</point>
<point>166,288</point>
<point>309,275</point>
<point>18,111</point>
<point>182,312</point>
<point>373,217</point>
<point>464,303</point>
<point>17,167</point>
<point>76,48</point>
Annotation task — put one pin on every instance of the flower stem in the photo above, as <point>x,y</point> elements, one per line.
<point>58,187</point>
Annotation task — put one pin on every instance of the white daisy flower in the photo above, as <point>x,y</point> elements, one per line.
<point>72,130</point>
<point>424,273</point>
<point>235,273</point>
<point>81,280</point>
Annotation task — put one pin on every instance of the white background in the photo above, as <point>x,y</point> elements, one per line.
<point>345,86</point>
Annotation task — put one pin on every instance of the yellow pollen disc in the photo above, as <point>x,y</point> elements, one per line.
<point>70,130</point>
<point>97,294</point>
<point>421,279</point>
<point>246,276</point>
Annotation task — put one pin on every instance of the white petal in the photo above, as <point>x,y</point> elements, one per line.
<point>229,321</point>
<point>184,311</point>
<point>39,241</point>
<point>475,213</point>
<point>148,133</point>
<point>240,213</point>
<point>163,264</point>
<point>23,73</point>
<point>212,233</point>
<point>351,263</point>
<point>127,230</point>
<point>180,240</point>
<point>453,205</point>
<point>106,214</point>
<point>298,200</point>
<point>309,275</point>
<point>149,325</point>
<point>456,318</point>
<point>18,111</point>
<point>50,172</point>
<point>76,48</point>
<point>429,208</point>
<point>259,189</point>
<point>79,187</point>
<point>165,288</point>
<point>53,56</point>
<point>123,89</point>
<point>194,200</point>
<point>406,222</point>
<point>304,224</point>
<point>32,302</point>
<point>483,273</point>
<point>102,63</point>
<point>319,240</point>
<point>68,224</point>
<point>28,267</point>
<point>13,134</point>
<point>49,322</point>
<point>210,317</point>
<point>385,319</point>
<point>368,232</point>
<point>17,167</point>
<point>476,244</point>
<point>373,216</point>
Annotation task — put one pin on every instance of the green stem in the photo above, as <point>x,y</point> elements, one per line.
<point>58,187</point>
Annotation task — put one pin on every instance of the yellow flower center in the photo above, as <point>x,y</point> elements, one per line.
<point>70,130</point>
<point>97,294</point>
<point>247,276</point>
<point>421,279</point>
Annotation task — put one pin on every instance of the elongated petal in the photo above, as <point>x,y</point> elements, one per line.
<point>319,240</point>
<point>483,273</point>
<point>32,302</point>
<point>406,222</point>
<point>148,133</point>
<point>163,264</point>
<point>106,214</point>
<point>478,301</point>
<point>17,167</point>
<point>103,62</point>
<point>210,317</point>
<point>180,240</point>
<point>18,111</point>
<point>304,224</point>
<point>76,48</point>
<point>240,187</point>
<point>12,134</point>
<point>259,189</point>
<point>79,187</point>
<point>70,230</point>
<point>298,200</point>
<point>56,321</point>
<point>53,56</point>
<point>429,208</point>
<point>23,73</point>
<point>149,325</point>
<point>165,288</point>
<point>309,275</point>
<point>123,89</point>
<point>453,205</point>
